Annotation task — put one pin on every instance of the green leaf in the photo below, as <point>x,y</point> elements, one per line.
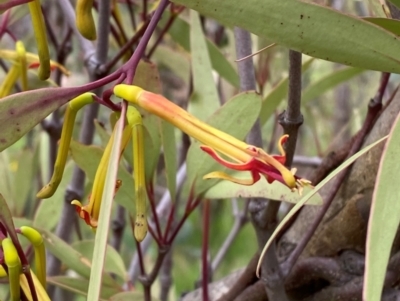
<point>391,25</point>
<point>72,258</point>
<point>23,180</point>
<point>235,117</point>
<point>100,245</point>
<point>384,218</point>
<point>129,296</point>
<point>273,99</point>
<point>88,159</point>
<point>204,100</point>
<point>47,215</point>
<point>312,29</point>
<point>328,82</point>
<point>113,261</point>
<point>20,112</point>
<point>80,285</point>
<point>7,220</point>
<point>169,147</point>
<point>395,2</point>
<point>179,32</point>
<point>147,78</point>
<point>275,191</point>
<point>177,60</point>
<point>305,199</point>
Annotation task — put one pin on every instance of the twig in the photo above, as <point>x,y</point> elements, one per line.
<point>263,214</point>
<point>165,276</point>
<point>161,210</point>
<point>109,65</point>
<point>373,109</point>
<point>130,66</point>
<point>167,26</point>
<point>292,119</point>
<point>118,227</point>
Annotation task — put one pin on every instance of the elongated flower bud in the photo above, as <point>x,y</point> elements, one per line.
<point>36,240</point>
<point>68,126</point>
<point>84,19</point>
<point>14,267</point>
<point>135,122</point>
<point>41,39</point>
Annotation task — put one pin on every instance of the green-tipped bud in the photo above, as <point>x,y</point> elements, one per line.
<point>23,66</point>
<point>68,126</point>
<point>36,240</point>
<point>84,19</point>
<point>13,263</point>
<point>41,39</point>
<point>135,123</point>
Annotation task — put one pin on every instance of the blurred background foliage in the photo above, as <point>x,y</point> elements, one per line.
<point>335,100</point>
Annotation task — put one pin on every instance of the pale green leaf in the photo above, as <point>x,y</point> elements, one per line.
<point>309,28</point>
<point>328,82</point>
<point>384,217</point>
<point>113,261</point>
<point>100,245</point>
<point>20,112</point>
<point>388,24</point>
<point>169,150</point>
<point>23,180</point>
<point>179,32</point>
<point>148,78</point>
<point>129,296</point>
<point>395,2</point>
<point>204,100</point>
<point>262,189</point>
<point>80,285</point>
<point>305,199</point>
<point>72,258</point>
<point>177,60</point>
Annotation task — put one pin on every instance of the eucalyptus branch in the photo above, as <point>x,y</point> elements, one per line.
<point>263,212</point>
<point>166,276</point>
<point>292,119</point>
<point>374,109</point>
<point>118,227</point>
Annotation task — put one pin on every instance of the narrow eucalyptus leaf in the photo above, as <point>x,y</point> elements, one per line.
<point>309,28</point>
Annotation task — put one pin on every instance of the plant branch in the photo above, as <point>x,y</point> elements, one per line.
<point>374,108</point>
<point>263,212</point>
<point>292,119</point>
<point>130,66</point>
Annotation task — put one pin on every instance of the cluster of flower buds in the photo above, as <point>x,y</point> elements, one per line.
<point>19,277</point>
<point>245,157</point>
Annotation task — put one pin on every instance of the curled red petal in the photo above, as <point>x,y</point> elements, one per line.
<point>220,160</point>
